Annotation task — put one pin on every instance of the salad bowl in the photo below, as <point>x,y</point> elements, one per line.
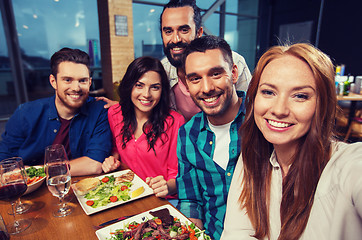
<point>36,179</point>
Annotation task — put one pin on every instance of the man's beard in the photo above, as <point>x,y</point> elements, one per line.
<point>176,61</point>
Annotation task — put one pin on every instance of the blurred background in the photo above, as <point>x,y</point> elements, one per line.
<point>115,32</point>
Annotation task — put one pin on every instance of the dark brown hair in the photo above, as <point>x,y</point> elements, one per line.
<point>154,128</point>
<point>68,55</point>
<point>313,151</point>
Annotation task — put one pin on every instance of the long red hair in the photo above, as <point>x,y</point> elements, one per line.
<point>312,154</point>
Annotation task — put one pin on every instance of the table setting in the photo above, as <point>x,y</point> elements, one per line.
<point>59,211</point>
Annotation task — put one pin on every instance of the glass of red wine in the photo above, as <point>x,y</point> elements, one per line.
<point>20,207</point>
<point>3,232</point>
<point>12,186</point>
<point>58,178</point>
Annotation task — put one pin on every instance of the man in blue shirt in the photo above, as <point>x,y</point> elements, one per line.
<point>208,145</point>
<point>71,118</point>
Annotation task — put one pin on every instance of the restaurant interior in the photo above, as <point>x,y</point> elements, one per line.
<point>115,32</point>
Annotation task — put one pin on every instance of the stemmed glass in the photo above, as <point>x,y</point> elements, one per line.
<point>3,231</point>
<point>20,207</point>
<point>58,176</point>
<point>12,186</point>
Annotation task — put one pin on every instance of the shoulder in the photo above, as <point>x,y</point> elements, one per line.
<point>195,123</point>
<point>115,109</point>
<point>345,164</point>
<point>165,61</point>
<point>115,113</point>
<point>93,103</point>
<point>177,116</point>
<point>35,106</point>
<point>237,58</point>
<point>346,152</point>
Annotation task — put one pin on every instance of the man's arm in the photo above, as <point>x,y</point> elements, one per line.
<point>109,102</point>
<point>77,166</point>
<point>188,186</point>
<point>98,144</point>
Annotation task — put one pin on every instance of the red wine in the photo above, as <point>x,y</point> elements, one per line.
<point>4,236</point>
<point>12,191</point>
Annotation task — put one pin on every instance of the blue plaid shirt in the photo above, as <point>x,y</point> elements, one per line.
<point>202,184</point>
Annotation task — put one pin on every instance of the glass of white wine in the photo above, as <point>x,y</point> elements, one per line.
<point>56,166</point>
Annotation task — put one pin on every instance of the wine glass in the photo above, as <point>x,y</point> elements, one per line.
<point>20,207</point>
<point>12,186</point>
<point>58,176</point>
<point>3,232</point>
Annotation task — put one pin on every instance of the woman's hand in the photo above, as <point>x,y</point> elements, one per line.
<point>159,185</point>
<point>110,164</point>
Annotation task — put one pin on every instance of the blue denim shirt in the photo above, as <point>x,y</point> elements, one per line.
<point>35,124</point>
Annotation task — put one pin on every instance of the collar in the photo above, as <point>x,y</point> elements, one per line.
<point>273,160</point>
<point>205,124</point>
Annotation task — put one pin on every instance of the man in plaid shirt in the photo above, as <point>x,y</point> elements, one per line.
<point>208,145</point>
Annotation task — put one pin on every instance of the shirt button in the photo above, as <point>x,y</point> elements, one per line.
<point>229,174</point>
<point>210,142</point>
<point>55,131</point>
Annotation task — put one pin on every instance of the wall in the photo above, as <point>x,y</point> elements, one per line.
<point>117,51</point>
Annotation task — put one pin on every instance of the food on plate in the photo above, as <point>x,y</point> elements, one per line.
<point>109,192</point>
<point>137,192</point>
<point>85,185</point>
<point>127,177</point>
<point>34,174</point>
<point>162,226</point>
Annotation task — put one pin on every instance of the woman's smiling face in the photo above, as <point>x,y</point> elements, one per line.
<point>286,101</point>
<point>146,93</point>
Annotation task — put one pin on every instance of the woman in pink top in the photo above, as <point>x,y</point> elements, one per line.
<point>144,128</point>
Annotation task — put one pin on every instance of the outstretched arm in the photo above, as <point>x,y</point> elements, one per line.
<point>77,166</point>
<point>109,102</point>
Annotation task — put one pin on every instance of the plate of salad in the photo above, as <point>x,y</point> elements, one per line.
<point>113,189</point>
<point>164,222</point>
<point>36,177</point>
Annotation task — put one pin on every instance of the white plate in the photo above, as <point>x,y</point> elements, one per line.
<point>34,186</point>
<point>137,182</point>
<point>104,233</point>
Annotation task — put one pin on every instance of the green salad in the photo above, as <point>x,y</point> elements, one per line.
<point>35,172</point>
<point>108,192</point>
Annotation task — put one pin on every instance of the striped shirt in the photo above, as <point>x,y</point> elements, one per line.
<point>202,184</point>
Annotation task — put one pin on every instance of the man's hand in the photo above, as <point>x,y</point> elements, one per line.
<point>109,102</point>
<point>198,223</point>
<point>159,185</point>
<point>110,164</point>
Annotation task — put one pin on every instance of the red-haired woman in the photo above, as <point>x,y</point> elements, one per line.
<point>293,180</point>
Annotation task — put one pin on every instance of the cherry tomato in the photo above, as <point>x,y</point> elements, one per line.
<point>124,187</point>
<point>183,229</point>
<point>158,221</point>
<point>192,232</point>
<point>105,179</point>
<point>90,202</point>
<point>113,199</point>
<point>133,226</point>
